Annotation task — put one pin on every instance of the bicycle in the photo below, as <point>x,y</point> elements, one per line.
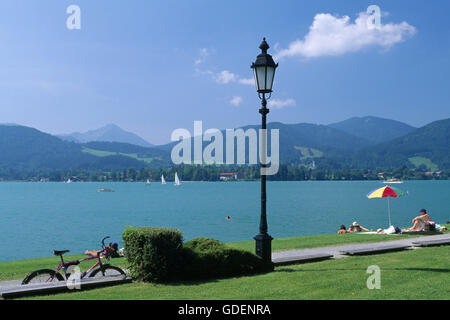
<point>103,270</point>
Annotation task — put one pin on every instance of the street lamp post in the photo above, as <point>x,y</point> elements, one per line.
<point>264,72</point>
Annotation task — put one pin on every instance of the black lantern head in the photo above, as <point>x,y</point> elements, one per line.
<point>264,69</point>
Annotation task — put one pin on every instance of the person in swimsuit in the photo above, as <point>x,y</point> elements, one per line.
<point>111,251</point>
<point>342,230</point>
<point>419,221</point>
<point>355,227</point>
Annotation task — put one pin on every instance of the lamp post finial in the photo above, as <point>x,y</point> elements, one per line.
<point>264,46</point>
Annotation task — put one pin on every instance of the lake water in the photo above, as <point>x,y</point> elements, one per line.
<point>36,218</point>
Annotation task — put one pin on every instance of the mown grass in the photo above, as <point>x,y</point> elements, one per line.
<point>20,268</point>
<point>412,274</point>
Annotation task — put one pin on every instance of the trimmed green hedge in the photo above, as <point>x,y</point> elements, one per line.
<point>158,255</point>
<point>210,258</point>
<point>154,254</point>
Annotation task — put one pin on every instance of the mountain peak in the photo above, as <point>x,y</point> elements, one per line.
<point>111,126</point>
<point>108,133</point>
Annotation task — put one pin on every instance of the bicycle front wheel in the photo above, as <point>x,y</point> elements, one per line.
<point>42,276</point>
<point>107,271</point>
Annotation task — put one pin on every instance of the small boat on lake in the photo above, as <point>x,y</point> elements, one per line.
<point>105,190</point>
<point>177,180</point>
<point>148,182</point>
<point>163,181</point>
<point>393,181</point>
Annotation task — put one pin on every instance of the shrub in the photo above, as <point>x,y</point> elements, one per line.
<point>158,255</point>
<point>203,244</point>
<point>208,258</point>
<point>153,254</point>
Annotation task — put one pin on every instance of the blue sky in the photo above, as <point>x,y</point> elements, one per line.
<point>154,66</point>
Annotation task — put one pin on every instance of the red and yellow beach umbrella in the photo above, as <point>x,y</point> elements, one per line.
<point>386,192</point>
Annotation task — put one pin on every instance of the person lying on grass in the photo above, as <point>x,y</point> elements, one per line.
<point>342,230</point>
<point>355,227</point>
<point>111,251</point>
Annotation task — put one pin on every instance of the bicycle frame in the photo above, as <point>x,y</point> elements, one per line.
<point>64,265</point>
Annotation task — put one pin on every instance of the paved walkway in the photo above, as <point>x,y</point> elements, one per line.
<point>335,250</point>
<point>18,291</point>
<point>10,283</point>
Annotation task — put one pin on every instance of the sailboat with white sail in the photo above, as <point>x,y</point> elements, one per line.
<point>163,181</point>
<point>177,180</point>
<point>148,182</point>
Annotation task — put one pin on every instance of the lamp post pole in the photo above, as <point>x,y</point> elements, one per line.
<point>264,71</point>
<point>263,239</point>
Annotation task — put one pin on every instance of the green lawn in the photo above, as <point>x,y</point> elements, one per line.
<point>412,274</point>
<point>418,161</point>
<point>309,152</point>
<point>20,268</point>
<point>101,153</point>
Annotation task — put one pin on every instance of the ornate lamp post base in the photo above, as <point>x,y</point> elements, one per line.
<point>264,247</point>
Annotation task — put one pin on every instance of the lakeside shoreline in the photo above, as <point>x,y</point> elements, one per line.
<point>299,242</point>
<point>221,181</point>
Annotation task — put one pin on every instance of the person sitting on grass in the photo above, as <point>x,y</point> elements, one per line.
<point>342,230</point>
<point>355,227</point>
<point>419,221</point>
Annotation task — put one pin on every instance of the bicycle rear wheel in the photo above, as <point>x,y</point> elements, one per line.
<point>42,276</point>
<point>107,271</point>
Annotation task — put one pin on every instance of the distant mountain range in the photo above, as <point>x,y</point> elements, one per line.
<point>428,146</point>
<point>30,150</point>
<point>108,133</point>
<point>373,129</point>
<point>303,141</point>
<point>367,142</point>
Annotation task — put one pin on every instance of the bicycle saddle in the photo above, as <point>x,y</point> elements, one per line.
<point>60,253</point>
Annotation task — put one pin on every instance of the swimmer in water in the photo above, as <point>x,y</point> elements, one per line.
<point>227,218</point>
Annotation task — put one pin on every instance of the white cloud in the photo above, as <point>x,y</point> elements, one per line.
<point>204,52</point>
<point>248,81</point>
<point>236,101</point>
<point>332,35</point>
<point>225,77</point>
<point>222,77</point>
<point>278,104</point>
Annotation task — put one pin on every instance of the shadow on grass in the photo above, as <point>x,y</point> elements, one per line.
<point>190,282</point>
<point>424,233</point>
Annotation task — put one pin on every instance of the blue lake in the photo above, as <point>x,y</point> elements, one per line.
<point>36,218</point>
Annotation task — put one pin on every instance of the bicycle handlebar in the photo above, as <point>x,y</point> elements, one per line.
<point>103,241</point>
